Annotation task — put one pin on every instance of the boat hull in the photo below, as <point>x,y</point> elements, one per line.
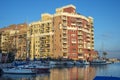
<point>18,71</point>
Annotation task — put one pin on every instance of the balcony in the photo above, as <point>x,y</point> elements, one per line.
<point>64,27</point>
<point>64,32</point>
<point>64,36</point>
<point>92,29</point>
<point>88,36</point>
<point>79,21</point>
<point>64,18</point>
<point>80,37</point>
<point>73,24</point>
<point>80,51</point>
<point>65,56</point>
<point>65,50</point>
<point>80,42</point>
<point>64,46</point>
<point>80,57</point>
<point>64,24</point>
<point>80,33</point>
<point>92,33</point>
<point>88,39</point>
<point>64,41</point>
<point>80,46</point>
<point>79,24</point>
<point>74,42</point>
<point>79,28</point>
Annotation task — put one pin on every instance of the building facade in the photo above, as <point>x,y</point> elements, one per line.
<point>13,40</point>
<point>65,34</point>
<point>40,35</point>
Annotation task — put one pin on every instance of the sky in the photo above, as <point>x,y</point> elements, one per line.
<point>106,14</point>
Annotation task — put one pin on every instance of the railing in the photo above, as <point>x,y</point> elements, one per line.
<point>80,33</point>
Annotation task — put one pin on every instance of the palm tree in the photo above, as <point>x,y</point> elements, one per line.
<point>104,54</point>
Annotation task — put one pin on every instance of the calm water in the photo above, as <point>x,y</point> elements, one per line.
<point>71,73</point>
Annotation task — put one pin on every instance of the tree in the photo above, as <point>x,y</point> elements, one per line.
<point>104,54</point>
<point>11,57</point>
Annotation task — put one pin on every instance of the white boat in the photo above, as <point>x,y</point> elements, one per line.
<point>84,62</point>
<point>55,62</point>
<point>108,62</point>
<point>98,62</point>
<point>17,70</point>
<point>39,67</point>
<point>68,63</point>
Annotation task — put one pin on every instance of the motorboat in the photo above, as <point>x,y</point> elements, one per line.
<point>83,62</point>
<point>98,62</point>
<point>68,63</point>
<point>18,70</point>
<point>39,67</point>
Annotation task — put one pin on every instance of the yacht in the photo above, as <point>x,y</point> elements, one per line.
<point>18,70</point>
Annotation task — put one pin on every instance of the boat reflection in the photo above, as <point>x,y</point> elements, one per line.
<point>24,76</point>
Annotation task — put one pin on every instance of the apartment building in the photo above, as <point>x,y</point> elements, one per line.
<point>73,33</point>
<point>40,34</point>
<point>65,34</point>
<point>13,39</point>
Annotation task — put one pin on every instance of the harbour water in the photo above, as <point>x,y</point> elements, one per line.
<point>70,73</point>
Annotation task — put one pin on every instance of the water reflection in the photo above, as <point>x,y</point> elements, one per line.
<point>44,76</point>
<point>64,73</point>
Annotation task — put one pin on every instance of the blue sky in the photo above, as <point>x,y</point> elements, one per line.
<point>106,14</point>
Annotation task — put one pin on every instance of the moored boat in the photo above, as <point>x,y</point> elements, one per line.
<point>83,62</point>
<point>67,63</point>
<point>39,67</point>
<point>18,70</point>
<point>98,62</point>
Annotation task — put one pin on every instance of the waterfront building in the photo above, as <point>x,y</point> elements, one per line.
<point>13,40</point>
<point>40,34</point>
<point>65,34</point>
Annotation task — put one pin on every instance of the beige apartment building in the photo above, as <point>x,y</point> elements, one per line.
<point>40,35</point>
<point>13,39</point>
<point>65,34</point>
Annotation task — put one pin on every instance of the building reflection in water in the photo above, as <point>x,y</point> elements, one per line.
<point>74,73</point>
<point>42,77</point>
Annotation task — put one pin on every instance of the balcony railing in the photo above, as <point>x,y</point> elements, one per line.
<point>80,46</point>
<point>79,33</point>
<point>64,36</point>
<point>73,24</point>
<point>80,42</point>
<point>64,46</point>
<point>64,41</point>
<point>64,32</point>
<point>64,24</point>
<point>65,50</point>
<point>80,37</point>
<point>79,24</point>
<point>64,27</point>
<point>79,28</point>
<point>79,21</point>
<point>64,18</point>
